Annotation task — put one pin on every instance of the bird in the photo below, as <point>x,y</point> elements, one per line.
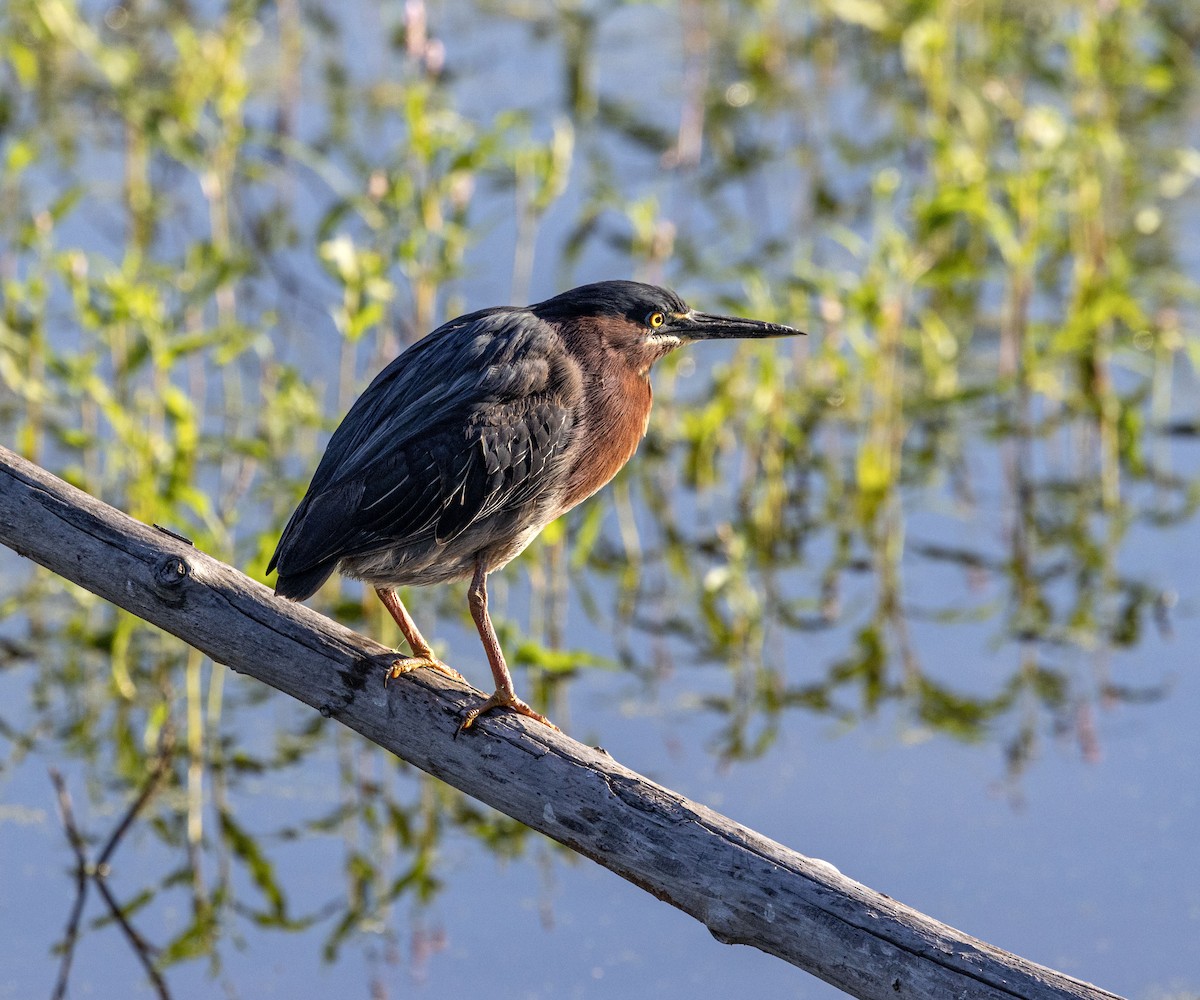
<point>475,438</point>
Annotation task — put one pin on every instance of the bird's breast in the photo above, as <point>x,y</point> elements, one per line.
<point>615,416</point>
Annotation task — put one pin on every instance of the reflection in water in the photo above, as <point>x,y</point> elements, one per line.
<point>977,220</point>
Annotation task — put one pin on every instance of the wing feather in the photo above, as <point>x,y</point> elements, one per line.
<point>460,426</point>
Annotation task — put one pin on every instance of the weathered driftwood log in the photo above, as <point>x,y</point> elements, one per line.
<point>744,888</point>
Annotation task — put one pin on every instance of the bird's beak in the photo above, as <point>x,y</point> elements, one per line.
<point>705,326</point>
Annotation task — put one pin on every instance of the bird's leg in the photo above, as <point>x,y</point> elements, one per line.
<point>422,653</point>
<point>504,696</point>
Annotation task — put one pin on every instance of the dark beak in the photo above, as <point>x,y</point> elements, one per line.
<point>704,326</point>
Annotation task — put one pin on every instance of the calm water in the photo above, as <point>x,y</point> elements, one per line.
<point>890,597</point>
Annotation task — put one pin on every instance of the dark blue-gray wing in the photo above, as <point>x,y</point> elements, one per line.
<point>417,390</point>
<point>509,459</point>
<point>482,432</point>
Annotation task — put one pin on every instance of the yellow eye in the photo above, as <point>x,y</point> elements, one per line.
<point>656,320</point>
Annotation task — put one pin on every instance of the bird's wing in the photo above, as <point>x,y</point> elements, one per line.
<point>416,391</point>
<point>507,460</point>
<point>446,435</point>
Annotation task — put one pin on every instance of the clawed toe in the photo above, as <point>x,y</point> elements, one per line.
<point>500,699</point>
<point>503,697</point>
<point>407,664</point>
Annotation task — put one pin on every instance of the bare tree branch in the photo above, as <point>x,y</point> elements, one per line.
<point>745,888</point>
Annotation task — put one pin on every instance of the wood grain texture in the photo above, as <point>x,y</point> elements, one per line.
<point>745,888</point>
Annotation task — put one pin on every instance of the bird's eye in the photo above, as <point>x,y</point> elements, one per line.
<point>655,320</point>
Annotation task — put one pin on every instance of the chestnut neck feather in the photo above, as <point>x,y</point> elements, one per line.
<point>617,399</point>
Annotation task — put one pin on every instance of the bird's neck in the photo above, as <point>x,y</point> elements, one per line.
<point>617,415</point>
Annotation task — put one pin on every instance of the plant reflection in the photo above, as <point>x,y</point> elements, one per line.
<point>978,219</point>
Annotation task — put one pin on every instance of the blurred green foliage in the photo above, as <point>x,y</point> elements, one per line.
<point>218,221</point>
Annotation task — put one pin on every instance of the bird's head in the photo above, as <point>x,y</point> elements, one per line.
<point>641,323</point>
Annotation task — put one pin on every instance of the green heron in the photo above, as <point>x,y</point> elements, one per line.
<point>478,436</point>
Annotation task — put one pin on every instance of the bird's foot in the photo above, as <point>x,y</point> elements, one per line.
<point>501,699</point>
<point>406,664</point>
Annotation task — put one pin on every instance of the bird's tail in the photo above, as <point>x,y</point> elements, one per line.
<point>298,586</point>
<point>300,574</point>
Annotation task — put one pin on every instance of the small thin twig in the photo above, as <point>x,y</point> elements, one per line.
<point>86,872</point>
<point>141,947</point>
<point>149,787</point>
<point>81,883</point>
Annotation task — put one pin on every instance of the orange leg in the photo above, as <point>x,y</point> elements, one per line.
<point>422,653</point>
<point>504,696</point>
